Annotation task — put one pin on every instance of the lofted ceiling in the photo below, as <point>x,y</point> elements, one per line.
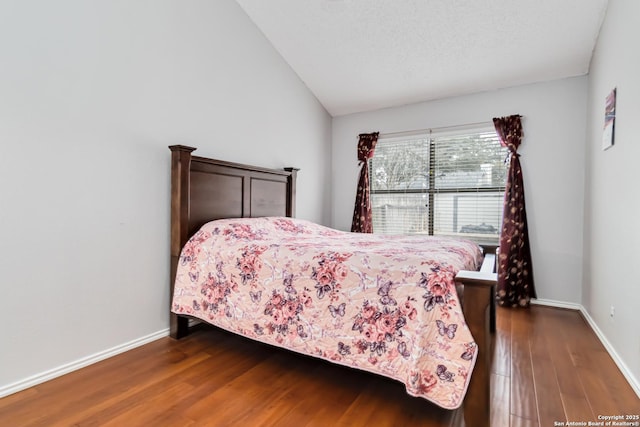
<point>361,55</point>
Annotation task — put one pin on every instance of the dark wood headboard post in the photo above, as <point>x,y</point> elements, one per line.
<point>180,165</point>
<point>291,191</point>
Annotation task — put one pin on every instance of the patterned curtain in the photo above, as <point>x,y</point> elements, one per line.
<point>362,221</point>
<point>515,274</point>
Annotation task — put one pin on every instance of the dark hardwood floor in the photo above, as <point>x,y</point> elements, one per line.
<point>548,367</point>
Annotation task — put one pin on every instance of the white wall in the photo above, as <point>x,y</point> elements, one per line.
<point>552,158</point>
<point>612,208</point>
<point>91,95</point>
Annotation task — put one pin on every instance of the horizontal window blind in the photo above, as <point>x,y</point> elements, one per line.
<point>439,184</point>
<point>399,181</point>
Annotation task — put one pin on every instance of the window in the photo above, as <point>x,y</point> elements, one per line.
<point>439,183</point>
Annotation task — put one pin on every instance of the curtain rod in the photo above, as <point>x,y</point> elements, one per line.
<point>437,129</point>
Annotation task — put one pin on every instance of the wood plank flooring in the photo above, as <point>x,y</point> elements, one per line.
<point>548,367</point>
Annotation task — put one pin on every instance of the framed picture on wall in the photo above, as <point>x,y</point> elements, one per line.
<point>609,120</point>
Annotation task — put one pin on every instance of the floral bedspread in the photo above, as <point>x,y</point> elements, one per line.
<point>385,304</point>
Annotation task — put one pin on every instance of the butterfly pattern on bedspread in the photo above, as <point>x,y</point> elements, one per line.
<point>384,304</point>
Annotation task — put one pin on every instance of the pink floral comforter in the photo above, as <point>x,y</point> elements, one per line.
<point>378,303</point>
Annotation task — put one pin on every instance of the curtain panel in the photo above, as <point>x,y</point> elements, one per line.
<point>515,286</point>
<point>362,221</point>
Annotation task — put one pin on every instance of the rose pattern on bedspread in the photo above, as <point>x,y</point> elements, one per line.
<point>385,304</point>
<point>330,271</point>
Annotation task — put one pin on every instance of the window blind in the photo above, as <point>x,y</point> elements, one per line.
<point>439,183</point>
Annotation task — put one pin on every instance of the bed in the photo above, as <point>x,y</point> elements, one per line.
<point>389,305</point>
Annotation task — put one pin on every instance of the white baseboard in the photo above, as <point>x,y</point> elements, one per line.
<point>626,372</point>
<point>80,363</point>
<point>559,304</point>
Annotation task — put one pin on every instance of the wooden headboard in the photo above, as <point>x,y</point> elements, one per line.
<point>203,190</point>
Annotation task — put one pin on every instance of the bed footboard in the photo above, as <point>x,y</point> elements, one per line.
<point>479,313</point>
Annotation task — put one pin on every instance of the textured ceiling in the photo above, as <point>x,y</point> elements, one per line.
<point>360,55</point>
